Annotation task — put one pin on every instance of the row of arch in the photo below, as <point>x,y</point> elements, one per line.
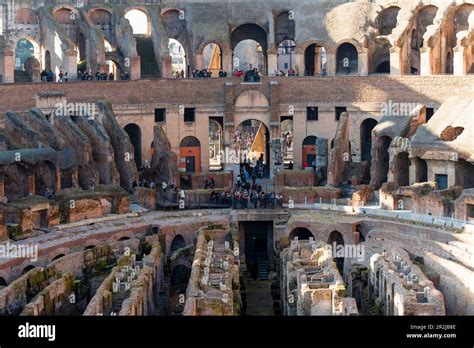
<point>211,54</point>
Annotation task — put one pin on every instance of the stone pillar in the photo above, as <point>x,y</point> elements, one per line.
<point>198,63</point>
<point>166,66</point>
<point>364,63</point>
<point>272,61</point>
<point>58,180</point>
<point>70,64</point>
<point>395,68</point>
<point>299,63</point>
<point>425,55</point>
<point>227,62</point>
<point>2,187</point>
<point>135,68</point>
<point>331,63</point>
<point>459,68</point>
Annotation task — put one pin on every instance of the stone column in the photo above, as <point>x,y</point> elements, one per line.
<point>227,62</point>
<point>166,66</point>
<point>7,67</point>
<point>459,68</point>
<point>135,68</point>
<point>58,180</point>
<point>298,63</point>
<point>31,183</point>
<point>395,68</point>
<point>364,63</point>
<point>199,63</point>
<point>272,61</point>
<point>425,61</point>
<point>70,64</point>
<point>331,63</point>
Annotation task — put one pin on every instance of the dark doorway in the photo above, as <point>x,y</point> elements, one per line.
<point>190,164</point>
<point>135,134</point>
<point>257,238</point>
<point>336,241</point>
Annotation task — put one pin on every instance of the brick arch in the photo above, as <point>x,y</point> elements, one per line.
<point>60,251</point>
<point>303,46</point>
<point>187,235</point>
<point>91,12</point>
<point>224,48</point>
<point>26,16</point>
<point>323,233</point>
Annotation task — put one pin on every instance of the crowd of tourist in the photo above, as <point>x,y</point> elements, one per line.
<point>143,183</point>
<point>289,72</point>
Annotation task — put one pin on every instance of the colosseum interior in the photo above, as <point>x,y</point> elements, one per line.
<point>188,158</point>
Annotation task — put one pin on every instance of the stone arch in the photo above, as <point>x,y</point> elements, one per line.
<point>45,177</point>
<point>27,269</point>
<point>309,149</point>
<point>336,240</point>
<point>27,55</point>
<point>3,282</point>
<point>101,16</point>
<point>26,16</point>
<point>421,170</point>
<point>387,20</point>
<point>47,60</point>
<point>347,59</point>
<point>366,128</point>
<point>380,57</point>
<point>178,242</point>
<point>135,133</point>
<point>15,181</point>
<point>315,59</point>
<point>252,141</point>
<point>301,232</point>
<point>139,20</point>
<point>254,32</point>
<point>284,27</point>
<point>57,257</point>
<point>212,53</point>
<point>190,155</point>
<point>175,25</point>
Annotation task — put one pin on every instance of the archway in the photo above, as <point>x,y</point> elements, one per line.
<point>315,60</point>
<point>26,16</point>
<point>249,45</point>
<point>180,275</point>
<point>252,145</point>
<point>421,170</point>
<point>216,144</point>
<point>3,282</point>
<point>309,149</point>
<point>347,59</point>
<point>383,145</point>
<point>45,177</point>
<point>336,241</point>
<point>286,133</point>
<point>178,242</point>
<point>15,182</point>
<point>190,155</point>
<point>178,58</point>
<point>67,20</point>
<point>366,128</point>
<point>387,20</point>
<point>402,167</point>
<point>57,257</point>
<point>302,233</point>
<point>47,60</point>
<point>139,22</point>
<point>380,57</point>
<point>27,269</point>
<point>212,59</point>
<point>423,19</point>
<point>285,58</point>
<point>135,134</point>
<point>27,67</point>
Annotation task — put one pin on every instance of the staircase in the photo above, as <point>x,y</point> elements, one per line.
<point>262,270</point>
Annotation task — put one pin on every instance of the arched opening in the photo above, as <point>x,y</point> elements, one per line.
<point>15,182</point>
<point>284,40</point>
<point>47,60</point>
<point>360,233</point>
<point>27,67</point>
<point>81,45</point>
<point>286,133</point>
<point>421,170</point>
<point>89,247</point>
<point>388,20</point>
<point>135,134</point>
<point>212,59</point>
<point>57,257</point>
<point>122,239</point>
<point>302,234</point>
<point>315,60</point>
<point>347,59</point>
<point>178,242</point>
<point>67,19</point>
<point>138,20</point>
<point>113,69</point>
<point>286,58</point>
<point>402,165</point>
<point>27,269</point>
<point>252,146</point>
<point>45,178</point>
<point>336,241</point>
<point>249,45</point>
<point>380,57</point>
<point>3,282</point>
<point>460,22</point>
<point>178,58</point>
<point>190,155</point>
<point>309,150</point>
<point>366,128</point>
<point>383,157</point>
<point>424,18</point>
<point>216,144</point>
<point>26,16</point>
